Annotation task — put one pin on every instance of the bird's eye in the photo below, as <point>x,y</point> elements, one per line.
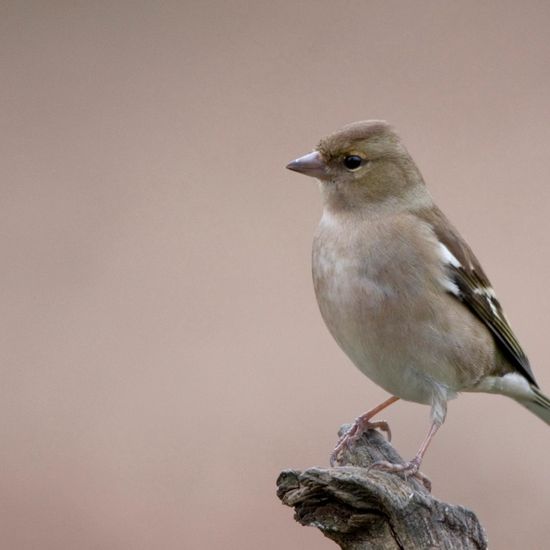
<point>352,162</point>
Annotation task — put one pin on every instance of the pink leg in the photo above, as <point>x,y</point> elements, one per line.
<point>411,468</point>
<point>360,426</point>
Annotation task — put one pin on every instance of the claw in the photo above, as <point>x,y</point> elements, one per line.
<point>408,469</point>
<point>359,427</point>
<point>381,425</point>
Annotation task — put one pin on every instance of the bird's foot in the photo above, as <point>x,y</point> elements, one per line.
<point>408,469</point>
<point>358,428</point>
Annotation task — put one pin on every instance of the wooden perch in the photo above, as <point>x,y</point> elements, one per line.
<point>376,510</point>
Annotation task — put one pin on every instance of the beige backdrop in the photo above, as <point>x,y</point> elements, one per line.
<point>162,353</point>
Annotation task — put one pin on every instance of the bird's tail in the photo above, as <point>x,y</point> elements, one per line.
<point>538,404</point>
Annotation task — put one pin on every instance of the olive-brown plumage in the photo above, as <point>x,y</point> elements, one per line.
<point>400,290</point>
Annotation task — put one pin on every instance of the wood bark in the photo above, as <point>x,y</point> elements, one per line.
<point>362,510</point>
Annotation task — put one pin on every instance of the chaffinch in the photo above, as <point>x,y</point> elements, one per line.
<point>401,291</point>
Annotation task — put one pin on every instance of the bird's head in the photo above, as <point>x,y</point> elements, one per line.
<point>363,163</point>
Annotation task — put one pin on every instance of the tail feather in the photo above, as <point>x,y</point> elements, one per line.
<point>539,404</point>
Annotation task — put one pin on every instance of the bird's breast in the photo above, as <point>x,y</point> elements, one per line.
<point>372,287</point>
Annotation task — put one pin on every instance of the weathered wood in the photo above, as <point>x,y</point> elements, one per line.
<point>362,510</point>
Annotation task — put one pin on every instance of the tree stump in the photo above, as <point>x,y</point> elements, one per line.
<point>362,510</point>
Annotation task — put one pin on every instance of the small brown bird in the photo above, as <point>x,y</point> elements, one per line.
<point>401,291</point>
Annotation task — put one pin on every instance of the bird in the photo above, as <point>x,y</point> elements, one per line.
<point>401,291</point>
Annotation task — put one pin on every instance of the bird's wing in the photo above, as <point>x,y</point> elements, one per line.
<point>474,290</point>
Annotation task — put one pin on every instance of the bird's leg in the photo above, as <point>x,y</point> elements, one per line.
<point>360,426</point>
<point>411,468</point>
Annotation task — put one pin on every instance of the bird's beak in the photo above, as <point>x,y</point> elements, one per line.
<point>311,164</point>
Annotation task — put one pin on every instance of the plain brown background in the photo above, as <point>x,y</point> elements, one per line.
<point>162,354</point>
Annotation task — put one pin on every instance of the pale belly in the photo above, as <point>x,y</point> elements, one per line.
<point>388,348</point>
<point>384,319</point>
